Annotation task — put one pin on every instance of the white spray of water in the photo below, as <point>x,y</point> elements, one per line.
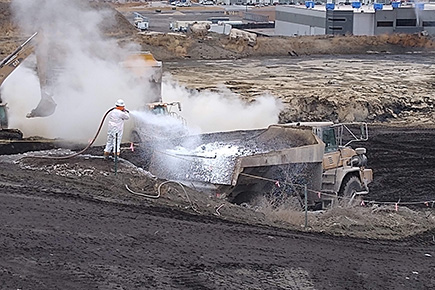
<point>150,126</point>
<point>90,80</point>
<point>209,112</point>
<point>222,110</point>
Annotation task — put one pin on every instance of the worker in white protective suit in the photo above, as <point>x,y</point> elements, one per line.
<point>115,128</point>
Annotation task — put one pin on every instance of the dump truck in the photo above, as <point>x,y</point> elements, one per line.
<point>146,69</point>
<point>278,161</point>
<point>156,119</point>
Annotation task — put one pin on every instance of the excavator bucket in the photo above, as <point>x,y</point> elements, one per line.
<point>45,108</point>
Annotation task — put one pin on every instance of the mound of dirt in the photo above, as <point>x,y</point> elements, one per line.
<point>167,46</point>
<point>118,26</point>
<point>216,46</point>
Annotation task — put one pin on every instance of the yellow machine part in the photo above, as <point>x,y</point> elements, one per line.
<point>337,158</point>
<point>145,67</point>
<point>140,63</point>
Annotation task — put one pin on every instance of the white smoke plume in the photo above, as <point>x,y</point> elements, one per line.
<point>222,110</point>
<point>88,77</point>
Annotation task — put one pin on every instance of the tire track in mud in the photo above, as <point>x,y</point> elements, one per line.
<point>236,276</point>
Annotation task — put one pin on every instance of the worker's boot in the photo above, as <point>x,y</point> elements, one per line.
<point>106,155</point>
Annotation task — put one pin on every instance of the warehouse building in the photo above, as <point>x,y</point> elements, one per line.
<point>355,19</point>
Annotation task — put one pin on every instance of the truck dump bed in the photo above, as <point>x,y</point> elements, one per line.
<point>219,158</point>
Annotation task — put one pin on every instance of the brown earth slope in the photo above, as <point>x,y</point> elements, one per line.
<point>214,46</point>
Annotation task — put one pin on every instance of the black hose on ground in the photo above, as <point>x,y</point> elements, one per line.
<point>83,150</point>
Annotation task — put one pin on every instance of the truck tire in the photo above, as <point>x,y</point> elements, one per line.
<point>350,185</point>
<point>247,199</point>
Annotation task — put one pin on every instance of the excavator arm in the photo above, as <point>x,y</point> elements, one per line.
<point>10,63</point>
<point>46,105</point>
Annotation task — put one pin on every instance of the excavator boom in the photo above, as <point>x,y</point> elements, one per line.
<point>12,61</point>
<point>46,106</point>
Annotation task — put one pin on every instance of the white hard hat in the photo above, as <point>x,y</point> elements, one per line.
<point>120,103</point>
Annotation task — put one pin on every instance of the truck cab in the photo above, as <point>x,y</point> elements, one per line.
<point>344,168</point>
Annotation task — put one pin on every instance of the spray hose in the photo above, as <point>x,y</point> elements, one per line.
<point>126,186</point>
<point>159,188</point>
<point>80,152</point>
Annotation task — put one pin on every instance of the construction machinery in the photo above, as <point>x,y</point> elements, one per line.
<point>46,105</point>
<point>165,109</point>
<point>279,161</point>
<point>344,168</point>
<point>158,122</point>
<point>142,64</point>
<point>146,69</point>
<point>155,119</point>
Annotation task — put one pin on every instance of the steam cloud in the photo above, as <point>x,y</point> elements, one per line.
<point>89,79</point>
<point>224,110</point>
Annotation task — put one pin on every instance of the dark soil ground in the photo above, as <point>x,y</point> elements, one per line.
<point>71,224</point>
<point>403,162</point>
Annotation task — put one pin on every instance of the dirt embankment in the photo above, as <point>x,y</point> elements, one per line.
<point>73,226</point>
<point>215,46</point>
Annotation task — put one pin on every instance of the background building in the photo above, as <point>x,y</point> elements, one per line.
<point>355,18</point>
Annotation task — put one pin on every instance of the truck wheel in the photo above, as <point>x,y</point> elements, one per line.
<point>247,199</point>
<point>350,185</point>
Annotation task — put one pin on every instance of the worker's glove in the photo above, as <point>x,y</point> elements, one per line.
<point>125,110</point>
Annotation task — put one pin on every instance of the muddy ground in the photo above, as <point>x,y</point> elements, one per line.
<point>386,88</point>
<point>69,224</point>
<point>72,223</point>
